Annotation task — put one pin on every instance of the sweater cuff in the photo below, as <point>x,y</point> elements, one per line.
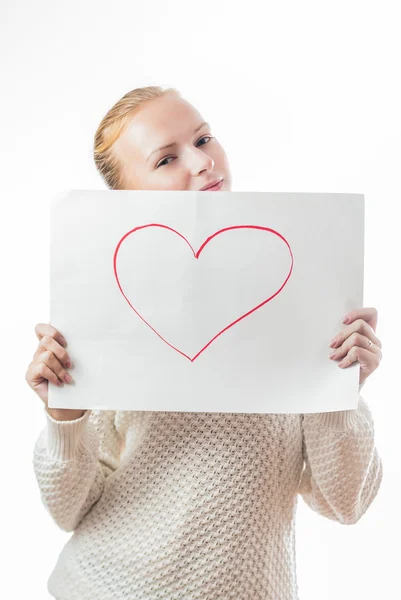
<point>339,420</point>
<point>63,437</point>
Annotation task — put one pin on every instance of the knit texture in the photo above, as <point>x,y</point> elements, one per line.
<point>168,505</point>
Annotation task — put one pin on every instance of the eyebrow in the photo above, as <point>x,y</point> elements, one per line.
<point>173,143</point>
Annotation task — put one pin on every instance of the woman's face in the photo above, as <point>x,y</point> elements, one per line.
<point>195,158</point>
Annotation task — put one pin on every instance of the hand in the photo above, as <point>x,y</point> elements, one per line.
<point>358,342</point>
<point>49,364</point>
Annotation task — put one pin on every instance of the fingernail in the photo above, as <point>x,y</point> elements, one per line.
<point>63,340</point>
<point>346,320</point>
<point>333,343</point>
<point>68,364</point>
<point>332,355</point>
<point>67,378</point>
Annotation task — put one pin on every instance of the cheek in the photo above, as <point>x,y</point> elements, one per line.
<point>166,178</point>
<point>218,154</point>
<point>221,161</point>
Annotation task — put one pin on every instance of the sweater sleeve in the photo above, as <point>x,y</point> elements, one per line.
<point>342,468</point>
<point>72,460</point>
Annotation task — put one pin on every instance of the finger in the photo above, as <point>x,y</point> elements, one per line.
<point>369,361</point>
<point>359,326</point>
<point>49,343</point>
<point>368,314</point>
<point>42,329</point>
<point>355,339</point>
<point>42,371</point>
<point>54,364</point>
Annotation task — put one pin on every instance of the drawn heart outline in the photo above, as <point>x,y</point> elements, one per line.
<point>197,255</point>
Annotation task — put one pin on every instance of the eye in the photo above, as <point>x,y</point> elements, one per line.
<point>162,163</point>
<point>205,136</point>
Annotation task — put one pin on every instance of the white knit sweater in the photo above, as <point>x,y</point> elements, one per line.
<point>168,505</point>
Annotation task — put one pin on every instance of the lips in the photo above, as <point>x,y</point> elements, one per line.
<point>213,186</point>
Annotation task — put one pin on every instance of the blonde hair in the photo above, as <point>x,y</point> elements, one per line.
<point>112,126</point>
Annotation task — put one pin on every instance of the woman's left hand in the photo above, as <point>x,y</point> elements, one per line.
<point>358,342</point>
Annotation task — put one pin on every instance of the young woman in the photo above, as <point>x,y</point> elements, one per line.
<point>168,505</point>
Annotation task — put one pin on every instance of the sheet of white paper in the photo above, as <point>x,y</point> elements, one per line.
<point>205,302</point>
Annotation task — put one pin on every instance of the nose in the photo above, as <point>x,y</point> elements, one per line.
<point>198,161</point>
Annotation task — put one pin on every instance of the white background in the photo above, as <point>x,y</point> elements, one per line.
<point>304,96</point>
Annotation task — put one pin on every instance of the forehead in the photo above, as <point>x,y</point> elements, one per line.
<point>163,112</point>
<point>158,121</point>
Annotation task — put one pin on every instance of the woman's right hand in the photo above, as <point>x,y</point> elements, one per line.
<point>49,363</point>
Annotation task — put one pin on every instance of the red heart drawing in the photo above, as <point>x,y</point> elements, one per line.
<point>197,256</point>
